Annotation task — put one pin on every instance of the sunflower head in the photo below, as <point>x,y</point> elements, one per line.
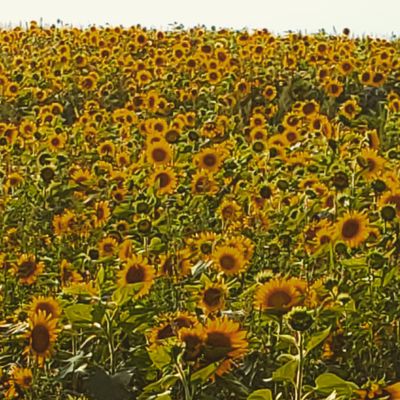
<point>229,260</point>
<point>224,342</point>
<point>353,228</point>
<point>212,297</point>
<point>48,305</point>
<point>137,271</point>
<point>27,269</point>
<point>277,295</point>
<point>42,335</point>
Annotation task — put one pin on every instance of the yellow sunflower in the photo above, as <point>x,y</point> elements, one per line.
<point>203,183</point>
<point>137,270</point>
<point>212,297</point>
<point>209,159</point>
<point>21,379</point>
<point>102,213</point>
<point>49,305</point>
<point>277,295</point>
<point>164,180</point>
<point>159,153</point>
<point>108,246</point>
<point>374,163</point>
<point>229,260</point>
<point>353,228</point>
<point>229,210</point>
<point>224,342</point>
<point>392,197</point>
<point>202,244</point>
<point>42,335</point>
<point>193,341</point>
<point>27,269</point>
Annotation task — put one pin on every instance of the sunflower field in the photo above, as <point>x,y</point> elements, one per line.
<point>198,214</point>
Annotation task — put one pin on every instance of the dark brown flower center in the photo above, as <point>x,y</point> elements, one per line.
<point>212,297</point>
<point>40,339</point>
<point>159,155</point>
<point>278,299</point>
<point>350,228</point>
<point>227,261</point>
<point>135,274</point>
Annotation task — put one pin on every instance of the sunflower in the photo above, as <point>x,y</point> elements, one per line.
<point>392,197</point>
<point>102,213</point>
<point>353,228</point>
<point>137,270</point>
<point>42,335</point>
<point>224,342</point>
<point>193,341</point>
<point>229,210</point>
<point>243,244</point>
<point>350,109</point>
<point>68,275</point>
<point>209,159</point>
<point>108,246</point>
<point>164,180</point>
<point>374,163</point>
<point>278,295</point>
<point>202,244</point>
<point>21,379</point>
<point>125,250</point>
<point>27,269</point>
<point>159,153</point>
<point>56,142</point>
<point>212,297</point>
<point>49,305</point>
<point>229,260</point>
<point>203,183</point>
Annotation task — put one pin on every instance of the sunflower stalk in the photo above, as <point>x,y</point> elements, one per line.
<point>299,375</point>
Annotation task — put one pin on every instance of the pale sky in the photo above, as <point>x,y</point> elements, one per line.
<point>374,17</point>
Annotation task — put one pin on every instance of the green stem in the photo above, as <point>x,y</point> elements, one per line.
<point>299,377</point>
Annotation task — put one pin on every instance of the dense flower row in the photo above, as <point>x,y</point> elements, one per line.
<point>198,214</point>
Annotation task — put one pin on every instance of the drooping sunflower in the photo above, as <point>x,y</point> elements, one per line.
<point>27,269</point>
<point>229,260</point>
<point>278,295</point>
<point>374,163</point>
<point>391,197</point>
<point>137,270</point>
<point>68,275</point>
<point>353,228</point>
<point>212,297</point>
<point>203,183</point>
<point>193,341</point>
<point>164,180</point>
<point>224,342</point>
<point>159,153</point>
<point>42,335</point>
<point>49,305</point>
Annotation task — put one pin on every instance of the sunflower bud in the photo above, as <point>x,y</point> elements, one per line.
<point>340,180</point>
<point>47,174</point>
<point>379,186</point>
<point>299,319</point>
<point>388,213</point>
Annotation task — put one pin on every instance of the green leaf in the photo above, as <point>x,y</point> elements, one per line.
<point>328,382</point>
<point>79,312</point>
<point>160,357</point>
<point>261,394</point>
<point>124,294</point>
<point>160,386</point>
<point>100,276</point>
<point>317,338</point>
<point>287,372</point>
<point>203,374</point>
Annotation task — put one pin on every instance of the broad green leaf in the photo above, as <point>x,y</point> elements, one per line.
<point>261,394</point>
<point>328,382</point>
<point>160,357</point>
<point>79,312</point>
<point>203,374</point>
<point>317,338</point>
<point>287,372</point>
<point>124,294</point>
